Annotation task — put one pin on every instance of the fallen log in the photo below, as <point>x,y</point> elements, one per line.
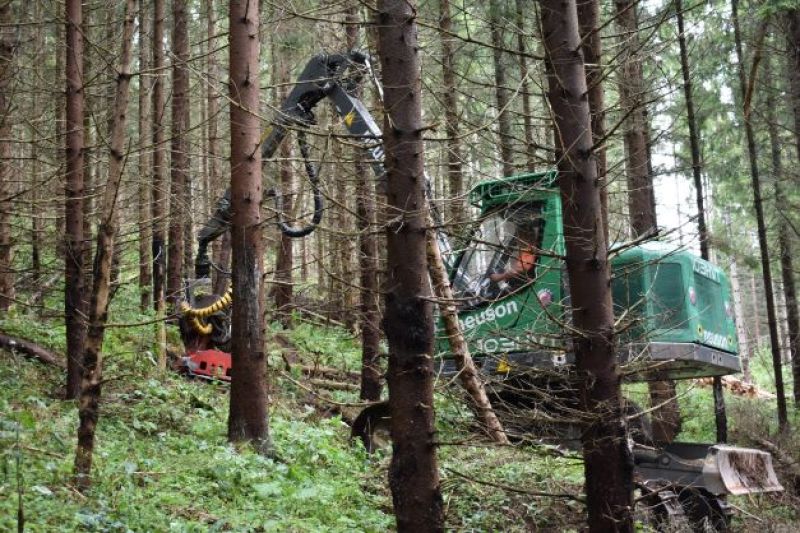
<point>467,371</point>
<point>330,373</point>
<point>31,349</point>
<point>738,387</point>
<point>333,385</point>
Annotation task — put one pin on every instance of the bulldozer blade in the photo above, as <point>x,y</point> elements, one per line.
<point>733,470</point>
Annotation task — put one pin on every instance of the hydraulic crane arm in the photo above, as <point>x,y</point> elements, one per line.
<point>335,77</point>
<point>332,76</point>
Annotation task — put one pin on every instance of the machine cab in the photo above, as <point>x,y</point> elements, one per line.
<point>674,308</point>
<point>507,278</point>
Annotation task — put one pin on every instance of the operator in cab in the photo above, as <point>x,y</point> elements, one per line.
<point>520,268</point>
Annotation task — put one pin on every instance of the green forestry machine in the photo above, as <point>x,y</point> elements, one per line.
<point>673,310</point>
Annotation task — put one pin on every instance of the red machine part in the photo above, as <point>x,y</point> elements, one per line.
<point>207,364</point>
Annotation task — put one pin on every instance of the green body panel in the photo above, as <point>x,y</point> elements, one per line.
<point>517,322</point>
<point>661,294</point>
<point>673,296</point>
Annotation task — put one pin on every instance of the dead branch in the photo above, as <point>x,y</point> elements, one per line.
<point>31,349</point>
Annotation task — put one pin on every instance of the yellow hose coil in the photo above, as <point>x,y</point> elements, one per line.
<point>197,313</point>
<point>199,327</point>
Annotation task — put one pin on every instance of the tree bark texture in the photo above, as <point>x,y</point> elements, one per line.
<point>455,176</point>
<point>222,247</point>
<point>752,151</point>
<point>787,268</point>
<point>89,405</point>
<point>408,321</point>
<point>467,372</point>
<point>179,155</point>
<point>145,166</point>
<point>35,149</point>
<point>782,210</point>
<point>741,330</point>
<point>90,168</point>
<point>607,459</point>
<point>159,189</point>
<point>502,92</point>
<point>694,137</point>
<point>285,261</point>
<point>73,198</point>
<point>341,240</point>
<point>371,374</point>
<point>592,48</point>
<point>525,88</point>
<point>247,418</point>
<point>641,202</point>
<point>285,244</point>
<point>7,74</point>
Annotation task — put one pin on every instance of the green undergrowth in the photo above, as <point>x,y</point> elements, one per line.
<point>162,462</point>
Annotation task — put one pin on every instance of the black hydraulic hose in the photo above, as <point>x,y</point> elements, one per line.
<point>313,177</point>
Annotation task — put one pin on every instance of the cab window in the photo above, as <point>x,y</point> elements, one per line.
<point>502,255</point>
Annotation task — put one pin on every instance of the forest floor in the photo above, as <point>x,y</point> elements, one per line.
<point>162,462</point>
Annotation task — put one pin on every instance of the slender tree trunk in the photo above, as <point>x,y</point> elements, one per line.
<point>783,420</point>
<point>745,346</point>
<point>793,70</point>
<point>336,241</point>
<point>408,323</point>
<point>592,48</point>
<point>73,199</point>
<point>741,331</point>
<point>35,188</point>
<point>641,202</point>
<point>467,372</point>
<point>720,415</point>
<point>694,137</point>
<point>754,301</point>
<point>343,262</point>
<point>782,210</point>
<point>787,267</point>
<point>502,92</point>
<point>159,190</point>
<point>88,410</point>
<point>285,244</point>
<point>455,177</point>
<point>7,74</point>
<point>247,419</point>
<point>222,248</point>
<point>90,168</point>
<point>303,260</point>
<point>179,155</point>
<point>371,374</point>
<point>145,167</point>
<point>189,207</point>
<point>607,459</point>
<point>525,87</point>
<point>59,112</point>
<point>320,250</point>
<point>284,263</point>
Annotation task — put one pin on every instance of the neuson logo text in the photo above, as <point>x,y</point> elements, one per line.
<point>706,270</point>
<point>489,314</point>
